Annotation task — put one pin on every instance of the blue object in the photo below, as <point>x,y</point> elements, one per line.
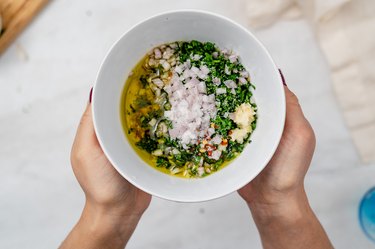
<point>367,214</point>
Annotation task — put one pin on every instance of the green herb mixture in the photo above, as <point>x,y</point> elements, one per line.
<point>189,106</point>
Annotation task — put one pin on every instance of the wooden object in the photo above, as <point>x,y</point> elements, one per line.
<point>16,14</point>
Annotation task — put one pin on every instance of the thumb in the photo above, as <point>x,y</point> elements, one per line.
<point>294,113</point>
<point>85,136</point>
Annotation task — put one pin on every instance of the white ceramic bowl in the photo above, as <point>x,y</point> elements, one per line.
<point>186,25</point>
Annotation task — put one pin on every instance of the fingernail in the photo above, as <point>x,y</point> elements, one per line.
<point>282,77</point>
<point>90,96</point>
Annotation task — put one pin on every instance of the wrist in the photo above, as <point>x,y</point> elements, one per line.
<point>286,208</point>
<point>102,223</point>
<point>289,222</point>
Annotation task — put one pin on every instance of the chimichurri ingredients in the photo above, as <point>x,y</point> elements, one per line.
<point>189,106</point>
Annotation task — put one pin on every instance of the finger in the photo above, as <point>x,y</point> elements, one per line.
<point>86,137</point>
<point>294,113</point>
<point>293,109</point>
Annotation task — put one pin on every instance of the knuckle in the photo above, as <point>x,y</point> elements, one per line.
<point>306,134</point>
<point>77,157</point>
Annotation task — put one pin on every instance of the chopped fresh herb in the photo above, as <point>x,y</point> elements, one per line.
<point>143,80</point>
<point>163,162</point>
<point>147,144</point>
<point>142,101</point>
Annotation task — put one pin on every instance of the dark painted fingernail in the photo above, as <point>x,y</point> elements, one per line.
<point>282,77</point>
<point>90,97</point>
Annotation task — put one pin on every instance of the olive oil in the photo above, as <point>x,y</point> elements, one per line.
<point>130,114</point>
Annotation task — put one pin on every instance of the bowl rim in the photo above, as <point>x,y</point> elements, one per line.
<point>282,104</point>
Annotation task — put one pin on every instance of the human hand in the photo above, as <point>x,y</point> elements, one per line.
<point>283,177</point>
<point>276,197</point>
<point>113,206</point>
<point>104,187</point>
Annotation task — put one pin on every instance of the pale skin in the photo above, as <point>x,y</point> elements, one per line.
<point>276,197</point>
<point>113,206</point>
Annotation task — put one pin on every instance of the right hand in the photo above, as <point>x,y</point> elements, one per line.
<point>277,198</point>
<point>282,179</point>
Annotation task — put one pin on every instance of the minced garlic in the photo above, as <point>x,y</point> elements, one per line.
<point>243,117</point>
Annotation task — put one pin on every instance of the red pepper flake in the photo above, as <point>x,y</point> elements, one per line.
<point>209,153</point>
<point>209,147</point>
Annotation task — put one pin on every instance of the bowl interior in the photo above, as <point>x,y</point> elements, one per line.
<point>180,26</point>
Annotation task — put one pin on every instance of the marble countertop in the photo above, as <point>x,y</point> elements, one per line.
<point>45,78</point>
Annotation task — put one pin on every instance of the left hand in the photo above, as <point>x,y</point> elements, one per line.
<point>104,187</point>
<point>113,206</point>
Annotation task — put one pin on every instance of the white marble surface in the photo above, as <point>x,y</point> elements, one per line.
<point>45,78</point>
